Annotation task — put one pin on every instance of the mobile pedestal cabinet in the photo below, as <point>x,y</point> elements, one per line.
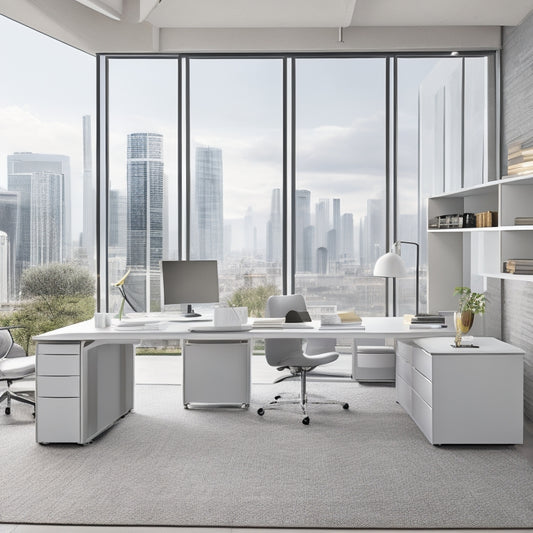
<point>83,388</point>
<point>462,395</point>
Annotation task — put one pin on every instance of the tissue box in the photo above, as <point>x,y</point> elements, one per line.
<point>230,316</point>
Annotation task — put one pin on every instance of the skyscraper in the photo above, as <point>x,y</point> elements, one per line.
<point>274,247</point>
<point>21,169</point>
<point>9,220</point>
<point>347,245</point>
<point>47,222</point>
<point>303,220</point>
<point>333,254</point>
<point>4,267</point>
<point>208,241</point>
<point>145,217</point>
<point>89,207</point>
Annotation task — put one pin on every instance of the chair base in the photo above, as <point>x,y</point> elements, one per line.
<point>27,397</point>
<point>300,399</point>
<point>313,373</point>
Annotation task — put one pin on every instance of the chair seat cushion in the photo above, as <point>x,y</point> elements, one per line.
<point>17,367</point>
<point>311,360</point>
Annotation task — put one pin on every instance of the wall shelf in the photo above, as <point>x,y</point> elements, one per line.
<point>468,256</point>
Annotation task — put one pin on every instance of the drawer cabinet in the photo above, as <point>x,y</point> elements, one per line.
<point>58,405</point>
<point>462,396</point>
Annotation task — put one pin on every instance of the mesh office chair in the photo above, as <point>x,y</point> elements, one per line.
<point>15,364</point>
<point>288,353</point>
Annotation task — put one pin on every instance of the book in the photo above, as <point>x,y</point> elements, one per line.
<point>427,326</point>
<point>344,325</point>
<point>268,322</point>
<point>348,316</point>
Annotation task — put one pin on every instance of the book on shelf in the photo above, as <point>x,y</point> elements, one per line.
<point>518,266</point>
<point>523,221</point>
<point>486,219</point>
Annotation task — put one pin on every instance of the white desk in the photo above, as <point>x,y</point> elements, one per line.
<point>85,375</point>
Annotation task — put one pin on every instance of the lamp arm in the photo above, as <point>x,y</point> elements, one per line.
<point>417,269</point>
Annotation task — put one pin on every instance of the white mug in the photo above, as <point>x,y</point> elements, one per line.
<point>99,320</point>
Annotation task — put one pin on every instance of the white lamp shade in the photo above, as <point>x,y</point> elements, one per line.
<point>390,265</point>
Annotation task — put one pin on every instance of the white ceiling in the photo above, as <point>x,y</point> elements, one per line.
<point>314,13</point>
<point>271,25</point>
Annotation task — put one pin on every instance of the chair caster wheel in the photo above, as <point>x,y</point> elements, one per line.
<point>33,414</point>
<point>260,411</point>
<point>346,406</point>
<point>186,406</point>
<point>305,421</point>
<point>277,397</point>
<point>8,410</point>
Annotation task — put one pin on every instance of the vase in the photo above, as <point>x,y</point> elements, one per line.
<point>464,320</point>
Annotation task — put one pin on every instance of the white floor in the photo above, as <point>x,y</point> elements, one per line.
<point>166,369</point>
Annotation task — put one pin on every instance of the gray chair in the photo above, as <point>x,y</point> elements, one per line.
<point>15,364</point>
<point>289,353</point>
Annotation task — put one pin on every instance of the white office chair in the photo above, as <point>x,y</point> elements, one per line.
<point>15,365</point>
<point>288,353</point>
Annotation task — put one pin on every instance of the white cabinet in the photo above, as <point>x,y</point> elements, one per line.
<point>82,389</point>
<point>216,373</point>
<point>467,256</point>
<point>462,395</point>
<point>57,399</point>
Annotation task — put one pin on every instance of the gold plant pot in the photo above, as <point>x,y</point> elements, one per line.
<point>464,320</point>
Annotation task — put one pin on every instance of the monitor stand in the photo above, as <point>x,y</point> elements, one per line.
<point>190,312</point>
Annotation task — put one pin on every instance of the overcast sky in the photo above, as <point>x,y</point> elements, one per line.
<point>235,105</point>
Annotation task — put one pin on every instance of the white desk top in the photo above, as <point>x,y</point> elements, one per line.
<point>381,327</point>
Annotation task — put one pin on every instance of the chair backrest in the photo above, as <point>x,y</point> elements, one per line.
<point>8,346</point>
<point>278,351</point>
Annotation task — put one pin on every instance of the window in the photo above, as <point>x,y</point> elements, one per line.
<point>236,131</point>
<point>340,208</point>
<point>47,203</point>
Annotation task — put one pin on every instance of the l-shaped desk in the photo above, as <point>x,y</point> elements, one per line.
<point>85,375</point>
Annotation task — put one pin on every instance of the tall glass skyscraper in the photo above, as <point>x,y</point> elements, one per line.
<point>145,218</point>
<point>274,246</point>
<point>208,205</point>
<point>26,173</point>
<point>9,223</point>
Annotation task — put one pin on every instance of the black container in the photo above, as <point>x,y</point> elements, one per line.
<point>469,220</point>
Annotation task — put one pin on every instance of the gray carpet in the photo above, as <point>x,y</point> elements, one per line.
<point>162,465</point>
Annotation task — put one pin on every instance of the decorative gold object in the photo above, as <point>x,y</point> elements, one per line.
<point>464,320</point>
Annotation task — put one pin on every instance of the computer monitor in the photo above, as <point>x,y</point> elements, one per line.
<point>189,282</point>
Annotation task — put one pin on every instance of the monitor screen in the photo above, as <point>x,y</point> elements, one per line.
<point>189,282</point>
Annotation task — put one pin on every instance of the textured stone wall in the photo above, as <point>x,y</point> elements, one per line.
<point>517,86</point>
<point>517,126</point>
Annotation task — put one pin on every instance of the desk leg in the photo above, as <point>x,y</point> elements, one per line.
<point>107,386</point>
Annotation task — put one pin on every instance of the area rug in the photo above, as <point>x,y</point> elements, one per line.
<point>368,467</point>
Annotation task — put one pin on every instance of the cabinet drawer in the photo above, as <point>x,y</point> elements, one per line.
<point>59,349</point>
<point>375,360</point>
<point>404,370</point>
<point>58,365</point>
<point>58,419</point>
<point>58,386</point>
<point>422,415</point>
<point>403,394</point>
<point>422,362</point>
<point>423,387</point>
<point>405,350</point>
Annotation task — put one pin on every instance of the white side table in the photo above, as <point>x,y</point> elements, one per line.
<point>462,395</point>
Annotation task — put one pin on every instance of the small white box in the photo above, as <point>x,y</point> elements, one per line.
<point>230,316</point>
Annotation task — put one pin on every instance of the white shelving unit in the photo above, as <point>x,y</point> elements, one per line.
<point>467,256</point>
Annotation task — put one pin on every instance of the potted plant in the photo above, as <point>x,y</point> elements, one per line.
<point>470,304</point>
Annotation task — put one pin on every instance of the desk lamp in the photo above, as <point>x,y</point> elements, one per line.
<point>391,265</point>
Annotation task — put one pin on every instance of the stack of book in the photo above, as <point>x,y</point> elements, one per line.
<point>523,221</point>
<point>268,322</point>
<point>427,321</point>
<point>487,219</point>
<point>341,320</point>
<point>518,266</point>
<point>519,160</point>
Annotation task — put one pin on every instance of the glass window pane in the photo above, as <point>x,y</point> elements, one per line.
<point>46,99</point>
<point>236,122</point>
<point>143,201</point>
<point>340,183</point>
